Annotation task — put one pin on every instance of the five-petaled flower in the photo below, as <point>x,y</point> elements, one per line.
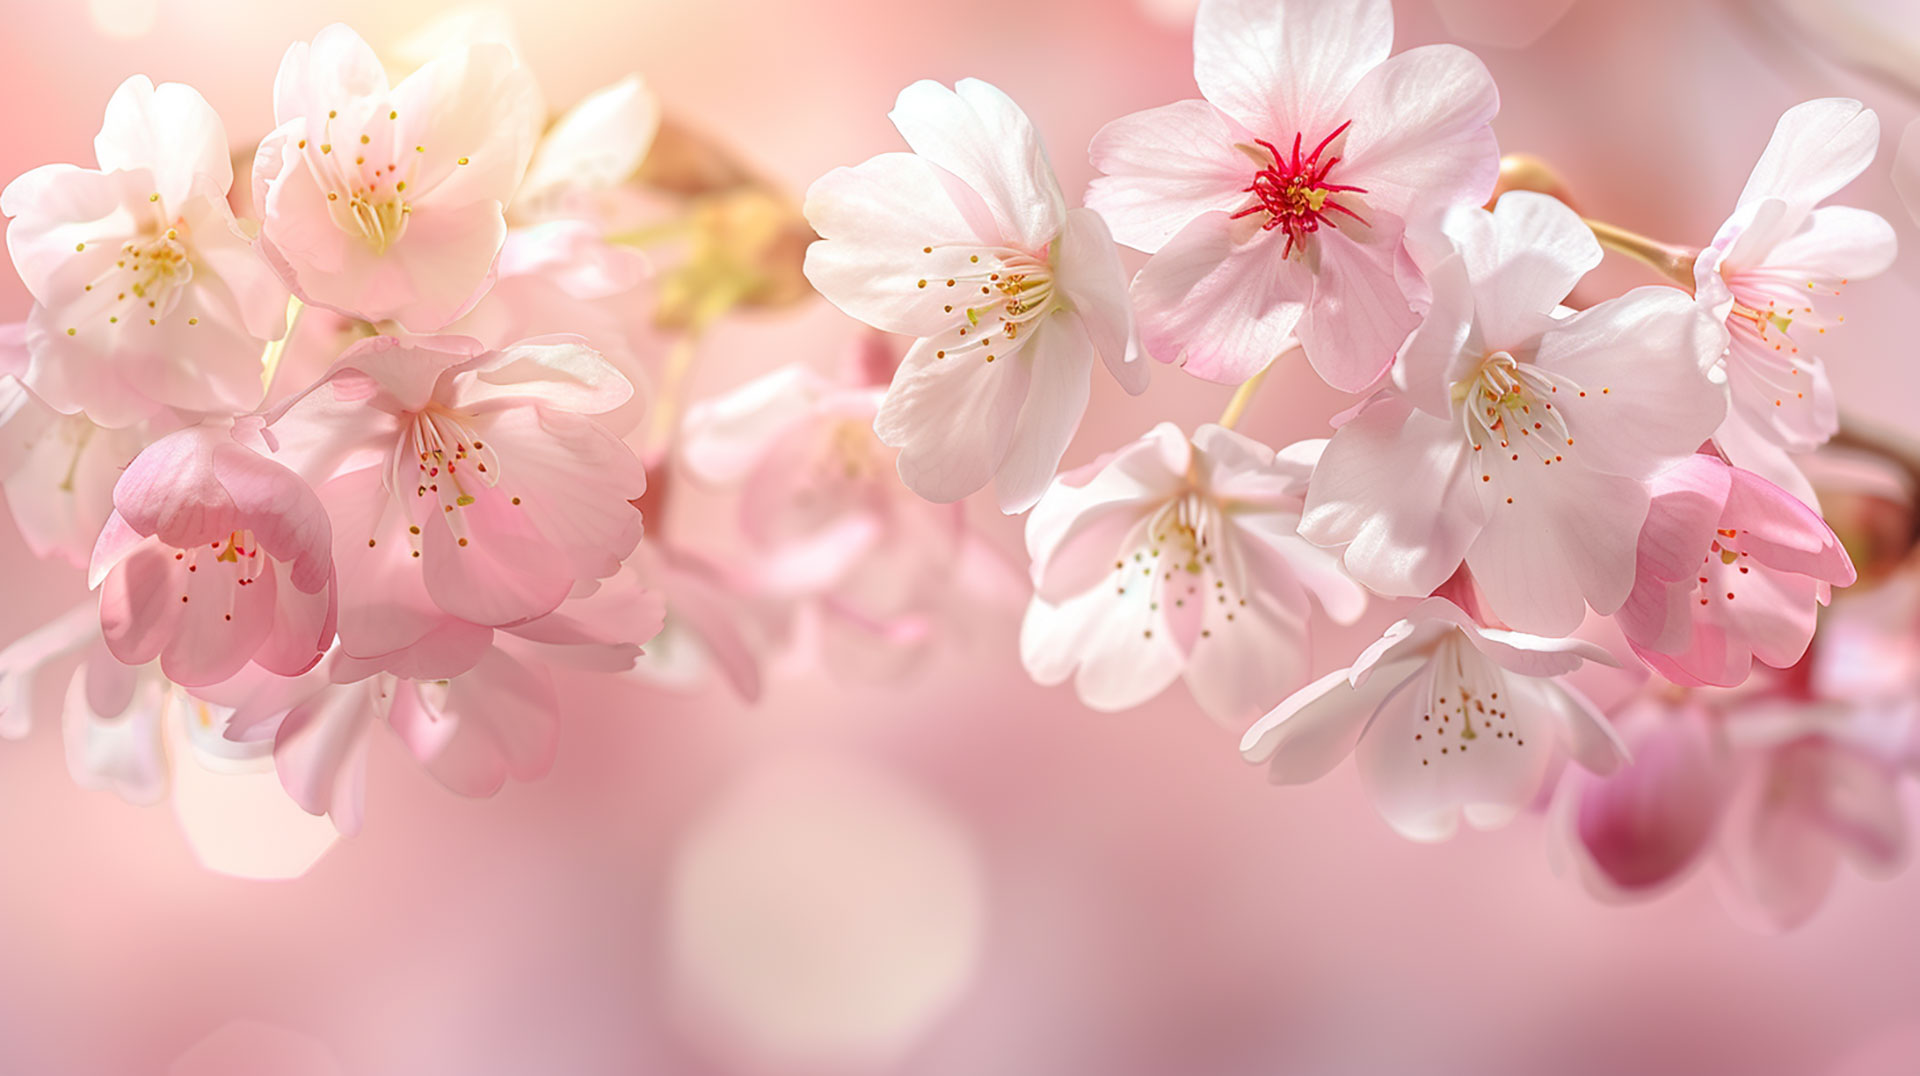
<point>1178,558</point>
<point>1447,718</point>
<point>1257,238</point>
<point>1517,441</point>
<point>968,244</point>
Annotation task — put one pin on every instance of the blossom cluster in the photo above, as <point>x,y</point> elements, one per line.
<point>1538,478</point>
<point>369,439</point>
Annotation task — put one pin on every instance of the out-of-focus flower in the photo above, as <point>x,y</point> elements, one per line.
<point>1906,170</point>
<point>497,718</point>
<point>390,202</point>
<point>1277,206</point>
<point>468,488</point>
<point>147,293</point>
<point>214,556</point>
<point>834,526</point>
<point>1644,826</point>
<point>1447,719</point>
<point>1777,787</point>
<point>1175,558</point>
<point>1520,442</point>
<point>1730,568</point>
<point>1777,261</point>
<point>58,471</point>
<point>968,244</point>
<point>596,146</point>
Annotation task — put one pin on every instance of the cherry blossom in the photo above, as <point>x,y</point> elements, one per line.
<point>967,244</point>
<point>147,293</point>
<point>879,575</point>
<point>469,489</point>
<point>1517,441</point>
<point>1434,688</point>
<point>1175,559</point>
<point>214,556</point>
<point>1730,568</point>
<point>1774,787</point>
<point>1774,269</point>
<point>388,202</point>
<point>1276,206</point>
<point>499,718</point>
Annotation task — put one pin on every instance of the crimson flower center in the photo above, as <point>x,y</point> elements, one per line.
<point>1295,192</point>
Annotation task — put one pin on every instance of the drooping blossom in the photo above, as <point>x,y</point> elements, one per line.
<point>1446,718</point>
<point>388,202</point>
<point>967,244</point>
<point>881,574</point>
<point>214,556</point>
<point>1277,206</point>
<point>1517,441</point>
<point>469,489</point>
<point>497,719</point>
<point>147,293</point>
<point>1777,788</point>
<point>1177,558</point>
<point>1773,271</point>
<point>1730,568</point>
<point>125,728</point>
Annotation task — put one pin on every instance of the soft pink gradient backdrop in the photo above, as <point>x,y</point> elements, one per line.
<point>1147,904</point>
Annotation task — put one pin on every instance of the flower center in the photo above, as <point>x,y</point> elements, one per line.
<point>1508,403</point>
<point>1767,304</point>
<point>1723,568</point>
<point>993,302</point>
<point>449,464</point>
<point>1293,191</point>
<point>1463,704</point>
<point>148,275</point>
<point>238,554</point>
<point>1182,536</point>
<point>367,195</point>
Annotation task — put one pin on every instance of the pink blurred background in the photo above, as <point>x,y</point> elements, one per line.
<point>962,874</point>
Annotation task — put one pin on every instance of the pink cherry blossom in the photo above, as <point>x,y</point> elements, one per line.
<point>147,293</point>
<point>879,571</point>
<point>388,202</point>
<point>469,489</point>
<point>1643,827</point>
<point>1774,787</point>
<point>1519,442</point>
<point>1175,559</point>
<point>1774,269</point>
<point>1730,568</point>
<point>1276,207</point>
<point>1448,719</point>
<point>498,718</point>
<point>214,556</point>
<point>967,244</point>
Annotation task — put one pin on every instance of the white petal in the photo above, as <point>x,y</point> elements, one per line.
<point>1817,148</point>
<point>1286,67</point>
<point>977,133</point>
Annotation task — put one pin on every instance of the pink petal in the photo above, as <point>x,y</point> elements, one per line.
<point>1281,68</point>
<point>978,134</point>
<point>1219,300</point>
<point>1166,166</point>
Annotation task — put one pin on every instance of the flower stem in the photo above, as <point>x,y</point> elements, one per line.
<point>666,409</point>
<point>1674,263</point>
<point>270,357</point>
<point>1242,396</point>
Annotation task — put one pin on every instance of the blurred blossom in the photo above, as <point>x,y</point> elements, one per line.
<point>823,915</point>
